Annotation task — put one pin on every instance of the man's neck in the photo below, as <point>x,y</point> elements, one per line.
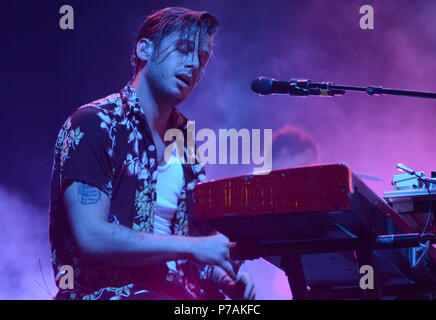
<point>157,113</point>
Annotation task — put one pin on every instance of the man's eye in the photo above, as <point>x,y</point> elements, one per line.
<point>185,48</point>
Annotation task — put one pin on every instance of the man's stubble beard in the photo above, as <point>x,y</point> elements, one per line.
<point>164,96</point>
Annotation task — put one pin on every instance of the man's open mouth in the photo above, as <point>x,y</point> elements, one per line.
<point>184,78</point>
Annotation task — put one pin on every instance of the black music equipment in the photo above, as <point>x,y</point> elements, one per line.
<point>318,223</point>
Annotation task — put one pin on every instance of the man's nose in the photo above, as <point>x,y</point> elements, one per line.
<point>192,60</point>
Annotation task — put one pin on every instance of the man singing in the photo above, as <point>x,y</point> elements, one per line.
<point>118,211</point>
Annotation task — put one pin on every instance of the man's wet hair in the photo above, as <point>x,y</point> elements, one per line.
<point>173,19</point>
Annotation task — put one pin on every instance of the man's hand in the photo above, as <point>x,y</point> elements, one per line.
<point>213,250</point>
<point>239,288</point>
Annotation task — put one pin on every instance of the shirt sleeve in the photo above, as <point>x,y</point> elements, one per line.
<point>86,151</point>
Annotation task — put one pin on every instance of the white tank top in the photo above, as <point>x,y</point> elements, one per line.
<point>168,189</point>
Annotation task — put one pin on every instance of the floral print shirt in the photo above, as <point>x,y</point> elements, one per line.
<point>108,144</point>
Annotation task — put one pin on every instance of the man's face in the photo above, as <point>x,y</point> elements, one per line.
<point>175,72</point>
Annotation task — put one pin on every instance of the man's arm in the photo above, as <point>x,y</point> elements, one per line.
<point>98,239</point>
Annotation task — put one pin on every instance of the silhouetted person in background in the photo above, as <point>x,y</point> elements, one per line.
<point>293,147</point>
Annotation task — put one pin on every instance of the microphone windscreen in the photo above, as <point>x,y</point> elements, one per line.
<point>262,85</point>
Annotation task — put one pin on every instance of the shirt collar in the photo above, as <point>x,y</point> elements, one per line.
<point>131,102</point>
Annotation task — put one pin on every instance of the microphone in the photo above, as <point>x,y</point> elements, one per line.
<point>264,85</point>
<point>293,87</point>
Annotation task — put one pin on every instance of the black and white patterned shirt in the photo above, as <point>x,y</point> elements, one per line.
<point>108,144</point>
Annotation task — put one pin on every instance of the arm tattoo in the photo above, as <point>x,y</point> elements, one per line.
<point>88,194</point>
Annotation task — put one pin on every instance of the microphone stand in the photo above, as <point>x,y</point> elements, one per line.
<point>371,90</point>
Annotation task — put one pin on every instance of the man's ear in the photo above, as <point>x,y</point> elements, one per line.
<point>144,49</point>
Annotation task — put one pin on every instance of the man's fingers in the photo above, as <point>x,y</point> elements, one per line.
<point>253,294</point>
<point>228,282</point>
<point>236,265</point>
<point>248,286</point>
<point>227,255</point>
<point>227,266</point>
<point>249,291</point>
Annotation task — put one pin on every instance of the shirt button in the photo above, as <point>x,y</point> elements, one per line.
<point>151,148</point>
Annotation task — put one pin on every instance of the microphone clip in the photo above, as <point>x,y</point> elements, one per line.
<point>314,88</point>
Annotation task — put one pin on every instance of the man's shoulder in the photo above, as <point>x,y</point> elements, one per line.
<point>107,103</point>
<point>95,112</point>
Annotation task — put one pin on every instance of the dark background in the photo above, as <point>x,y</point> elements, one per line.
<point>48,72</point>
